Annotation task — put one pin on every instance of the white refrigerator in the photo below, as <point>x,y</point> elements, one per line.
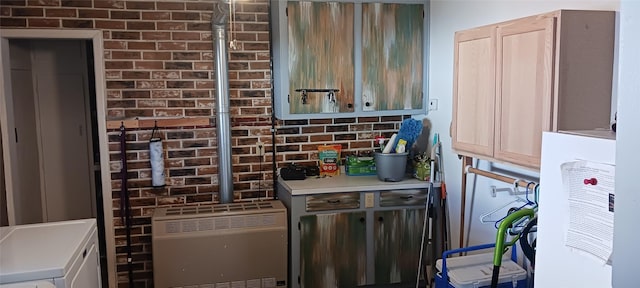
<point>558,262</point>
<point>56,254</point>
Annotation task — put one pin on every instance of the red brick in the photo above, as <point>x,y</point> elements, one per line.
<point>107,24</point>
<point>171,25</point>
<point>203,65</point>
<point>200,46</point>
<point>75,3</point>
<point>43,22</point>
<point>165,94</point>
<point>138,113</point>
<point>26,12</point>
<point>60,12</point>
<point>204,84</point>
<point>156,35</point>
<point>172,46</point>
<point>135,94</point>
<point>135,74</point>
<point>165,75</point>
<point>115,55</point>
<point>153,65</point>
<point>140,5</point>
<point>199,6</point>
<point>150,84</point>
<point>14,3</point>
<point>92,13</point>
<point>140,25</point>
<point>191,16</point>
<point>118,64</point>
<point>156,55</point>
<point>186,56</point>
<point>115,45</point>
<point>169,112</point>
<point>115,14</point>
<point>156,16</point>
<point>13,22</point>
<point>170,6</point>
<point>206,26</point>
<point>77,23</point>
<point>43,2</point>
<point>125,35</point>
<point>185,36</point>
<point>141,45</point>
<point>116,4</point>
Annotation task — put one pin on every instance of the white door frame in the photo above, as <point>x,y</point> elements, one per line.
<point>96,37</point>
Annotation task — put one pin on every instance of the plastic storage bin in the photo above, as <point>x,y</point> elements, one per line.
<point>391,167</point>
<point>474,271</point>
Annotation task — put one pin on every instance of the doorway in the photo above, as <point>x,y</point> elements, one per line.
<point>53,125</point>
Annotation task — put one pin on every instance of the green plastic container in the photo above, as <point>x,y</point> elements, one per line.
<point>360,166</point>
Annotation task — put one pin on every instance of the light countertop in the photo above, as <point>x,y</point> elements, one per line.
<point>344,183</point>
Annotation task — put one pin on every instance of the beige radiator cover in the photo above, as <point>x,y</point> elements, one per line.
<point>226,245</point>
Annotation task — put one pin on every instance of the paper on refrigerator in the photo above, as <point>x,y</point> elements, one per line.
<point>589,189</point>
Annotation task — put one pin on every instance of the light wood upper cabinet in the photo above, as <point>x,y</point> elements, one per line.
<point>548,72</point>
<point>474,86</point>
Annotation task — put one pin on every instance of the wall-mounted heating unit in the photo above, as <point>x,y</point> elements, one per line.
<point>238,245</point>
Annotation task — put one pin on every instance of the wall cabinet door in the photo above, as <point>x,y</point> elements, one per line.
<point>333,250</point>
<point>397,238</point>
<point>392,56</point>
<point>474,90</point>
<point>524,89</point>
<point>373,53</point>
<point>321,45</point>
<point>547,72</point>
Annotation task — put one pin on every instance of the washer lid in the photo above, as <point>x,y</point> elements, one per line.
<point>41,251</point>
<point>36,284</point>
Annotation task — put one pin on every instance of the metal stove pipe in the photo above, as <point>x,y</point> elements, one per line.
<point>223,123</point>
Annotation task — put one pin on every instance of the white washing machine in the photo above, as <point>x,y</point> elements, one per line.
<point>47,255</point>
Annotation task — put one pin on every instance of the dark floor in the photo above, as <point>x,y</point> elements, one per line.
<point>422,284</point>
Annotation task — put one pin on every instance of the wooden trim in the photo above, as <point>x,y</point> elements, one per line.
<point>163,123</point>
<point>499,177</point>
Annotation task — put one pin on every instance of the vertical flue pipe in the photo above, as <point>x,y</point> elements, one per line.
<point>223,122</point>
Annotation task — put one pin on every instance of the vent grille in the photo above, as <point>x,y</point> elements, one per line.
<point>234,207</point>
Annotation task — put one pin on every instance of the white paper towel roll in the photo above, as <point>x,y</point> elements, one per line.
<point>157,162</point>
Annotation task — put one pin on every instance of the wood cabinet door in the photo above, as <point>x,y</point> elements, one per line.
<point>392,56</point>
<point>333,250</point>
<point>321,56</point>
<point>474,91</point>
<point>397,240</point>
<point>524,89</point>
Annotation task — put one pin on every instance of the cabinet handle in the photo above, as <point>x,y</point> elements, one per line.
<point>380,219</point>
<point>333,201</point>
<point>406,197</point>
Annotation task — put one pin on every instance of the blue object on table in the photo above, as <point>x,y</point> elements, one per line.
<point>410,129</point>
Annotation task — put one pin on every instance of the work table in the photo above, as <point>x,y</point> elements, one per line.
<point>345,183</point>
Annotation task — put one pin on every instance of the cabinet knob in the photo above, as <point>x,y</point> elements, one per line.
<point>349,105</point>
<point>367,104</point>
<point>361,219</point>
<point>380,219</point>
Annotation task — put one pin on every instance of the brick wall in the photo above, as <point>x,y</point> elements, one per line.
<point>159,63</point>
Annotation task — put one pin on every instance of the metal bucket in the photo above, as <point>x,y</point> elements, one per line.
<point>391,167</point>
